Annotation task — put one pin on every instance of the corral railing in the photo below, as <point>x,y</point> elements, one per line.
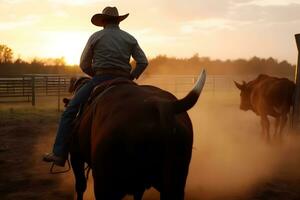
<point>181,84</point>
<point>29,86</point>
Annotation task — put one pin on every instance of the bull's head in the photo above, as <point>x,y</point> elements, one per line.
<point>245,95</point>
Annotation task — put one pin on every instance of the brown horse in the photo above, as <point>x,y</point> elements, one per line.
<point>135,137</point>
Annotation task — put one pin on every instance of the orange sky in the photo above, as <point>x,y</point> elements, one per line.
<point>215,28</point>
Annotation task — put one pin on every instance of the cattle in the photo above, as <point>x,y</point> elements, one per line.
<point>135,137</point>
<point>268,96</point>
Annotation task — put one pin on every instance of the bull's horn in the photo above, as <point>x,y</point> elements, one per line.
<point>191,98</point>
<point>238,85</point>
<point>200,83</point>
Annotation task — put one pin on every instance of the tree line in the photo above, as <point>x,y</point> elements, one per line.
<point>9,66</point>
<point>190,66</point>
<point>161,64</point>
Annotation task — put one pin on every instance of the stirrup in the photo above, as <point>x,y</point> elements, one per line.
<point>60,172</point>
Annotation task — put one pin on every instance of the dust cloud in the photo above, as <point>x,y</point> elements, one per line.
<point>230,160</point>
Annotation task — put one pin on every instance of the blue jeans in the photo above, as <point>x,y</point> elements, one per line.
<point>64,133</point>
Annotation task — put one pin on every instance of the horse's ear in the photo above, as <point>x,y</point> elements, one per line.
<point>240,86</point>
<point>72,84</point>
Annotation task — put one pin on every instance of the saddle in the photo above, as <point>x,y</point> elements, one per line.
<point>102,87</point>
<point>97,91</point>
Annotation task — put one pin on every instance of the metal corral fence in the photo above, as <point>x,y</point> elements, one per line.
<point>29,86</point>
<point>181,84</point>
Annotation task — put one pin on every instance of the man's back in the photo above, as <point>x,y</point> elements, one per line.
<point>112,48</point>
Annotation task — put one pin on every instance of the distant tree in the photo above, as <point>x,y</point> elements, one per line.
<point>6,54</point>
<point>60,61</point>
<point>194,59</point>
<point>37,61</point>
<point>19,60</point>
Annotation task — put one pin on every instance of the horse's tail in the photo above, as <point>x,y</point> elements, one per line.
<point>186,103</point>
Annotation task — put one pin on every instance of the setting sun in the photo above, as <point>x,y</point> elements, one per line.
<point>66,44</point>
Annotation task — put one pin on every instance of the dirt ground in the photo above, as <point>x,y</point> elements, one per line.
<point>230,160</point>
<point>25,135</point>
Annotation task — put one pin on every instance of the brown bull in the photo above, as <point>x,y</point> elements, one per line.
<point>265,96</point>
<point>133,138</point>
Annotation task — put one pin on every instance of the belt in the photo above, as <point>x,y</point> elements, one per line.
<point>112,71</point>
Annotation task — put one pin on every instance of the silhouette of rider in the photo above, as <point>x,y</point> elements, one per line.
<point>106,56</point>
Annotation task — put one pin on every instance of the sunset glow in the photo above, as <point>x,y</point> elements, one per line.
<point>218,28</point>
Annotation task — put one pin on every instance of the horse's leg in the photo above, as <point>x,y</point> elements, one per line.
<point>80,180</point>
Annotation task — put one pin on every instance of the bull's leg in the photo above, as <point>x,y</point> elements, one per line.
<point>277,122</point>
<point>138,195</point>
<point>80,180</point>
<point>105,187</point>
<point>106,193</point>
<point>173,184</point>
<point>265,127</point>
<point>283,122</point>
<point>174,174</point>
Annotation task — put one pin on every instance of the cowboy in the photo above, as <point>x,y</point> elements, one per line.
<point>106,56</point>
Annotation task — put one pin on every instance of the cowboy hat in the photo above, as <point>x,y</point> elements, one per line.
<point>107,13</point>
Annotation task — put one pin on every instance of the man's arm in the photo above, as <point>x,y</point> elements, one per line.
<point>86,58</point>
<point>141,61</point>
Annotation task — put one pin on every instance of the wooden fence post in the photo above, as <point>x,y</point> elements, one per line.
<point>58,95</point>
<point>46,85</point>
<point>296,106</point>
<point>33,90</point>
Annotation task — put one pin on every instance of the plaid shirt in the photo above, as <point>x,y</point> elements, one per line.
<point>112,48</point>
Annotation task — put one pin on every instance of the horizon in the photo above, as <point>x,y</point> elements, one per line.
<point>219,29</point>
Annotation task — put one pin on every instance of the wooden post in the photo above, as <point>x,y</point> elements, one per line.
<point>214,86</point>
<point>23,93</point>
<point>33,90</point>
<point>296,106</point>
<point>58,95</point>
<point>46,85</point>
